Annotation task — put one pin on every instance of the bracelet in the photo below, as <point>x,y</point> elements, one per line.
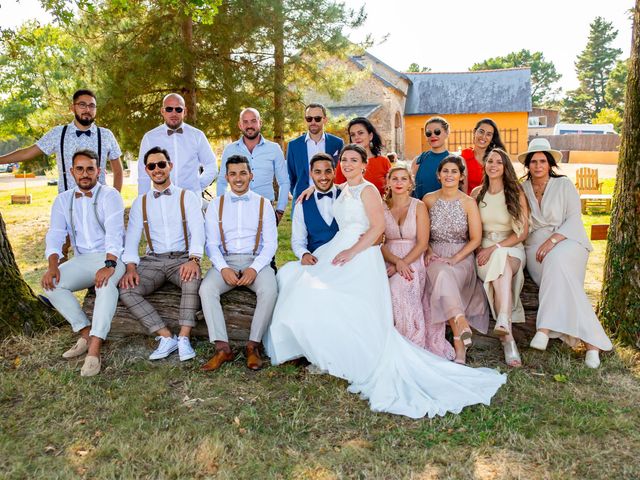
<point>195,259</point>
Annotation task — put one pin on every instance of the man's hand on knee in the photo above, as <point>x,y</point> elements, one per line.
<point>248,277</point>
<point>51,278</point>
<point>189,271</point>
<point>131,278</point>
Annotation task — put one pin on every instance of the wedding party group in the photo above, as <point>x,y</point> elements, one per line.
<point>390,256</point>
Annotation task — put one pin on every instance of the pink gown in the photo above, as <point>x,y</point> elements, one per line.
<point>452,290</point>
<point>406,296</point>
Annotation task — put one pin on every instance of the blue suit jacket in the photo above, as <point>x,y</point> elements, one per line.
<point>298,163</point>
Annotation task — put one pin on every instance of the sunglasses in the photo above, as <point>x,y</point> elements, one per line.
<point>316,119</point>
<point>171,109</point>
<point>436,132</point>
<point>161,165</point>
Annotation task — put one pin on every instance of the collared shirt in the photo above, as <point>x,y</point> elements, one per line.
<point>50,143</point>
<point>266,160</point>
<point>188,151</point>
<point>165,224</point>
<point>313,148</point>
<point>240,226</point>
<point>299,228</point>
<point>89,236</point>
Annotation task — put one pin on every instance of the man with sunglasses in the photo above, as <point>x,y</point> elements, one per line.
<point>265,158</point>
<point>302,149</point>
<point>188,147</point>
<point>93,216</point>
<point>65,140</point>
<point>172,221</point>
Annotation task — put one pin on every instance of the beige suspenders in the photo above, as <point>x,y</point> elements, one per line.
<point>145,221</point>
<point>258,233</point>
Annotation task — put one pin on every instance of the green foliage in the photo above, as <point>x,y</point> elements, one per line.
<point>416,68</point>
<point>609,115</point>
<point>543,73</point>
<point>616,86</point>
<point>593,67</point>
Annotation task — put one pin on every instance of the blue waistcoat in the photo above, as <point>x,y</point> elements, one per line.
<point>318,232</point>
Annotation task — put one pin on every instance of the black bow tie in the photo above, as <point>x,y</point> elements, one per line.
<point>177,130</point>
<point>83,132</point>
<point>328,194</point>
<point>157,194</point>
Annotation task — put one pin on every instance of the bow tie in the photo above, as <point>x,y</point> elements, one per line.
<point>80,194</point>
<point>177,130</point>
<point>79,133</point>
<point>241,198</point>
<point>157,194</point>
<point>328,194</point>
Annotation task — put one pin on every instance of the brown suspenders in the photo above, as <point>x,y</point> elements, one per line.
<point>145,221</point>
<point>258,232</point>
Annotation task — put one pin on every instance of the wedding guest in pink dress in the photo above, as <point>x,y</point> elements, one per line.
<point>455,294</point>
<point>406,236</point>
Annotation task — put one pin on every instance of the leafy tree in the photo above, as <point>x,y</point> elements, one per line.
<point>416,68</point>
<point>615,89</point>
<point>543,72</point>
<point>593,67</point>
<point>609,115</point>
<point>619,307</point>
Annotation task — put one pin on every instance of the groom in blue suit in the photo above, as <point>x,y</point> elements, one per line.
<point>301,149</point>
<point>313,224</point>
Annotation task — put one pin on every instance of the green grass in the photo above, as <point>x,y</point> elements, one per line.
<point>166,420</point>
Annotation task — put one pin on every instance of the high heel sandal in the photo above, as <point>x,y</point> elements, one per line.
<point>465,334</point>
<point>511,354</point>
<point>463,360</point>
<point>501,328</point>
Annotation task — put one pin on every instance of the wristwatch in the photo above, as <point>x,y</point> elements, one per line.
<point>110,263</point>
<point>195,259</point>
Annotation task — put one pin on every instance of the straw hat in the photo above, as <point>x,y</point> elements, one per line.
<point>541,145</point>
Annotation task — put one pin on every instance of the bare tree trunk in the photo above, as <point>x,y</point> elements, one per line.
<point>619,307</point>
<point>20,310</point>
<point>279,88</point>
<point>189,88</point>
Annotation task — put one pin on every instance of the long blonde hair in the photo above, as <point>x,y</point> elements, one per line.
<point>387,190</point>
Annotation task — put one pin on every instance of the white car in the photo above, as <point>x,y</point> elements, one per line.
<point>8,167</point>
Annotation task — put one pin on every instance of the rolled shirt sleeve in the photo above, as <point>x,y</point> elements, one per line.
<point>195,224</point>
<point>57,233</point>
<point>282,177</point>
<point>299,233</point>
<point>134,233</point>
<point>114,223</point>
<point>208,161</point>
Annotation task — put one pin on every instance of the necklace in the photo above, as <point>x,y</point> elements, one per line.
<point>539,190</point>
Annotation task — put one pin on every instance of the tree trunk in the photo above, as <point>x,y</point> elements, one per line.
<point>189,90</point>
<point>279,88</point>
<point>619,308</point>
<point>20,312</point>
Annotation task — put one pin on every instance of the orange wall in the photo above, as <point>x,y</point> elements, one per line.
<point>414,125</point>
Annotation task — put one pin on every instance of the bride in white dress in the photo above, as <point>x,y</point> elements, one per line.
<point>337,313</point>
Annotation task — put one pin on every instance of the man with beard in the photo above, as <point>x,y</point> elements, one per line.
<point>65,140</point>
<point>265,158</point>
<point>93,215</point>
<point>302,149</point>
<point>188,147</point>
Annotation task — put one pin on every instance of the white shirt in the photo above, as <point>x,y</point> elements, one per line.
<point>188,151</point>
<point>313,148</point>
<point>240,226</point>
<point>165,224</point>
<point>50,143</point>
<point>299,228</point>
<point>89,236</point>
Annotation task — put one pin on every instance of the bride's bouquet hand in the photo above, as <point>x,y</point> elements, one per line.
<point>306,193</point>
<point>342,258</point>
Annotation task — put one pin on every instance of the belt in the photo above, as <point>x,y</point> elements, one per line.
<point>169,254</point>
<point>239,254</point>
<point>496,236</point>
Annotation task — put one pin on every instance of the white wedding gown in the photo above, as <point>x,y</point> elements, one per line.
<point>340,319</point>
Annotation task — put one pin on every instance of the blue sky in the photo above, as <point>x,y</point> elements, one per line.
<point>451,35</point>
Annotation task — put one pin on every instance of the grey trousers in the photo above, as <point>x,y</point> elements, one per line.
<point>265,287</point>
<point>154,270</point>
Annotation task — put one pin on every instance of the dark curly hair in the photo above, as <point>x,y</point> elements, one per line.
<point>512,187</point>
<point>376,141</point>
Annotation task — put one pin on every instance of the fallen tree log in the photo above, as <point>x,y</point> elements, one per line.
<point>239,304</point>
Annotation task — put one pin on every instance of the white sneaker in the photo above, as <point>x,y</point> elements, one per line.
<point>539,341</point>
<point>592,359</point>
<point>185,350</point>
<point>167,346</point>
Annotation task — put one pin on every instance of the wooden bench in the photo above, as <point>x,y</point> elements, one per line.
<point>238,306</point>
<point>587,181</point>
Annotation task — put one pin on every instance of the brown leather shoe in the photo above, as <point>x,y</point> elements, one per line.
<point>221,357</point>
<point>254,361</point>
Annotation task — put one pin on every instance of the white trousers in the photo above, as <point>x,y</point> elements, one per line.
<point>80,273</point>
